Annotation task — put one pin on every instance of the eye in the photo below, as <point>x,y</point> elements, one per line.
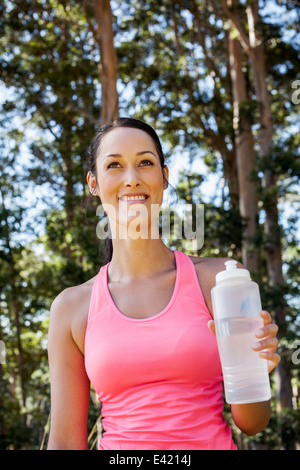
<point>146,163</point>
<point>113,165</point>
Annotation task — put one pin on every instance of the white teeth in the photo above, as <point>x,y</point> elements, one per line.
<point>133,198</point>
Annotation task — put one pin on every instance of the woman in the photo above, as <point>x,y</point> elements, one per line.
<point>141,331</point>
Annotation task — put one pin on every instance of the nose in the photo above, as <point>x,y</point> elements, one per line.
<point>132,179</point>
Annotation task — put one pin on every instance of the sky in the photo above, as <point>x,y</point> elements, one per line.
<point>212,186</point>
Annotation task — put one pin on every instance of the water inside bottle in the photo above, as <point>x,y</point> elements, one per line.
<point>245,373</point>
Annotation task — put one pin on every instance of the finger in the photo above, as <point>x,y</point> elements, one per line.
<point>266,317</point>
<point>269,330</point>
<point>273,359</point>
<point>269,344</point>
<point>211,327</point>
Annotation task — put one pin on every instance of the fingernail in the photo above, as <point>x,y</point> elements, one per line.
<point>259,334</point>
<point>256,345</point>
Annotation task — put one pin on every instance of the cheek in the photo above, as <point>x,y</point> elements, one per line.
<point>155,180</point>
<point>158,186</point>
<point>107,187</point>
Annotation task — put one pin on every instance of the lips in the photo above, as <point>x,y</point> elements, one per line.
<point>134,197</point>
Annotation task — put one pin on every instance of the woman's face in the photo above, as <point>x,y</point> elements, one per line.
<point>129,175</point>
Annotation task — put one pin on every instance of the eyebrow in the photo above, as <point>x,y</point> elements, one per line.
<point>138,154</point>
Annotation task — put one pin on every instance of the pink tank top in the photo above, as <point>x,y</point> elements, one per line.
<point>159,378</point>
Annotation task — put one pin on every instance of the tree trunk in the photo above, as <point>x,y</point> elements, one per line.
<point>16,307</point>
<point>272,228</point>
<point>215,140</point>
<point>66,142</point>
<point>253,46</point>
<point>105,39</point>
<point>2,387</point>
<point>245,156</point>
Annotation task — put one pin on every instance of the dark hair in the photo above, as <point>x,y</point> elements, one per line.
<point>93,150</point>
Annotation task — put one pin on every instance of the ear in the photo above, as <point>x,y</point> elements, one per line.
<point>166,176</point>
<point>91,180</point>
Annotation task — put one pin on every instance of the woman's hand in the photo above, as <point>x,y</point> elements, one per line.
<point>267,344</point>
<point>267,341</point>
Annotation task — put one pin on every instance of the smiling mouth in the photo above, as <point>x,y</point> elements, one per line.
<point>139,198</point>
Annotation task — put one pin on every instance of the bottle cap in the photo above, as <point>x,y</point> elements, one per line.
<point>232,272</point>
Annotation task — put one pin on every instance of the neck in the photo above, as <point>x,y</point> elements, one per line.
<point>137,259</point>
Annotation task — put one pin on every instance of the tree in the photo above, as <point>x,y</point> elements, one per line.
<point>245,155</point>
<point>104,36</point>
<point>178,46</point>
<point>21,298</point>
<point>253,45</point>
<point>172,62</point>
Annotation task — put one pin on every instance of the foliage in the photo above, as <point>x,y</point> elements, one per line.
<point>174,73</point>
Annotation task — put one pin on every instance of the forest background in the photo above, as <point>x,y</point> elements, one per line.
<point>219,81</point>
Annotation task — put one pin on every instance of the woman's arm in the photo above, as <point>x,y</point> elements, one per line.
<point>70,386</point>
<point>251,418</point>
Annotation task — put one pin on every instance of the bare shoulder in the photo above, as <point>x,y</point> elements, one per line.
<point>71,299</point>
<point>69,310</point>
<point>71,295</point>
<point>211,266</point>
<point>207,268</point>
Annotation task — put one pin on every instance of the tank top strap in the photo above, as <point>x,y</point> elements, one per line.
<point>189,283</point>
<point>98,292</point>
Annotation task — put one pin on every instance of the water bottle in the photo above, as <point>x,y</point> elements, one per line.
<point>236,307</point>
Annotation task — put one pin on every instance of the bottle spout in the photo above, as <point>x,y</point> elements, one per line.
<point>230,265</point>
<point>232,272</point>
